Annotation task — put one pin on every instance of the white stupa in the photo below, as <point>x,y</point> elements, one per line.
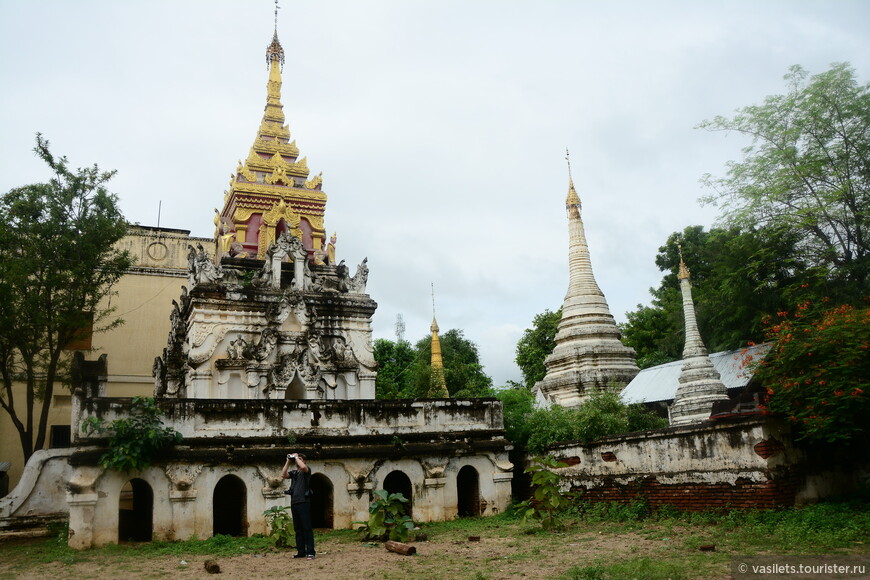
<point>589,355</point>
<point>700,385</point>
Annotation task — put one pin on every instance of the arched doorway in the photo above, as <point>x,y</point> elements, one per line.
<point>229,507</point>
<point>135,512</point>
<point>468,492</point>
<point>321,501</point>
<point>398,482</point>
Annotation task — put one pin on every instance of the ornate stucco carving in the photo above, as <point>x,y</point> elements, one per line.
<point>357,284</point>
<point>201,268</point>
<point>271,477</point>
<point>315,182</point>
<point>265,346</point>
<point>182,475</point>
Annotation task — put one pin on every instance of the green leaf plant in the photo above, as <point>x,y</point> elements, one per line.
<point>281,525</point>
<point>388,519</point>
<point>134,439</point>
<point>547,499</point>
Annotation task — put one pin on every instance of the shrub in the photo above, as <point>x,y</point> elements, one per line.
<point>817,372</point>
<point>601,415</point>
<point>134,439</point>
<point>387,518</point>
<point>280,524</point>
<point>547,499</point>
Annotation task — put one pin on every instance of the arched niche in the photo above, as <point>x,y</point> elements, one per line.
<point>322,501</point>
<point>229,507</point>
<point>398,482</point>
<point>296,390</point>
<point>135,511</point>
<point>467,492</point>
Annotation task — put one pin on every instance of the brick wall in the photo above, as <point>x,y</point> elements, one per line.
<point>741,463</point>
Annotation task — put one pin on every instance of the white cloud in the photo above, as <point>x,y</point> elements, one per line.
<point>440,127</point>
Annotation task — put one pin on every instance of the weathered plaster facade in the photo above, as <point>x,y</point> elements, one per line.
<point>353,447</point>
<point>270,352</point>
<point>748,463</point>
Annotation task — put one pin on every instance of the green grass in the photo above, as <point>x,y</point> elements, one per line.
<point>669,543</point>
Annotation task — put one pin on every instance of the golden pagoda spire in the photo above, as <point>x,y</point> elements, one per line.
<point>683,273</point>
<point>275,52</point>
<point>275,62</point>
<point>437,383</point>
<point>270,188</point>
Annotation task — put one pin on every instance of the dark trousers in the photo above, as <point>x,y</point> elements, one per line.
<point>302,526</point>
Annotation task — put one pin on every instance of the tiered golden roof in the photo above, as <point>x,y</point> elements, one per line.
<point>273,181</point>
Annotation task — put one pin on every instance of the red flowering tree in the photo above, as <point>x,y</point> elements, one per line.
<point>817,372</point>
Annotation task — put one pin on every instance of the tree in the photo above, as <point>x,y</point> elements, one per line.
<point>518,403</point>
<point>536,344</point>
<point>807,169</point>
<point>403,371</point>
<point>58,265</point>
<point>395,378</point>
<point>463,372</point>
<point>738,276</point>
<point>817,372</point>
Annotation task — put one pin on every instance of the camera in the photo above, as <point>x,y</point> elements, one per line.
<point>291,457</point>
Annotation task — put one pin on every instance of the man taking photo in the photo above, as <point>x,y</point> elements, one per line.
<point>300,506</point>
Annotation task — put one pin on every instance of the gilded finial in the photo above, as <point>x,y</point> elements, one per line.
<point>276,17</point>
<point>434,327</point>
<point>684,270</point>
<point>573,199</point>
<point>568,159</point>
<point>275,51</point>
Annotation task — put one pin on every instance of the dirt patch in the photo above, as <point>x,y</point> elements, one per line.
<point>498,555</point>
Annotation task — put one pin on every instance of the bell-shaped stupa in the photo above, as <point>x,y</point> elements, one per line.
<point>589,355</point>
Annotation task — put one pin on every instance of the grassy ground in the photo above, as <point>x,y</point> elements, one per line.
<point>597,543</point>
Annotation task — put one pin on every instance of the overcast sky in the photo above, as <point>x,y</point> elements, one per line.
<point>440,127</point>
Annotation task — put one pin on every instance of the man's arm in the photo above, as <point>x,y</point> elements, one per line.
<point>285,472</point>
<point>300,464</point>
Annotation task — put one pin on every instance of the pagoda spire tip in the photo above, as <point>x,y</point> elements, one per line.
<point>684,270</point>
<point>275,51</point>
<point>573,198</point>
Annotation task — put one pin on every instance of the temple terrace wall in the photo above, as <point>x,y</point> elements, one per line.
<point>448,456</point>
<point>742,463</point>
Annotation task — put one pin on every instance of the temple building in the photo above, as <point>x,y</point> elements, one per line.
<point>589,356</point>
<point>269,351</point>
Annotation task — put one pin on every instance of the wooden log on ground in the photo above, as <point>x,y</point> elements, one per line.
<point>400,548</point>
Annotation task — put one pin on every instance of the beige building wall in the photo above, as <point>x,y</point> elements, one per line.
<point>143,299</point>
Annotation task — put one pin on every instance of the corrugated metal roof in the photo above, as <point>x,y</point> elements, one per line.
<point>660,383</point>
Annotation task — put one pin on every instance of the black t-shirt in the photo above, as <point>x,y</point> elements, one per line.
<point>299,481</point>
